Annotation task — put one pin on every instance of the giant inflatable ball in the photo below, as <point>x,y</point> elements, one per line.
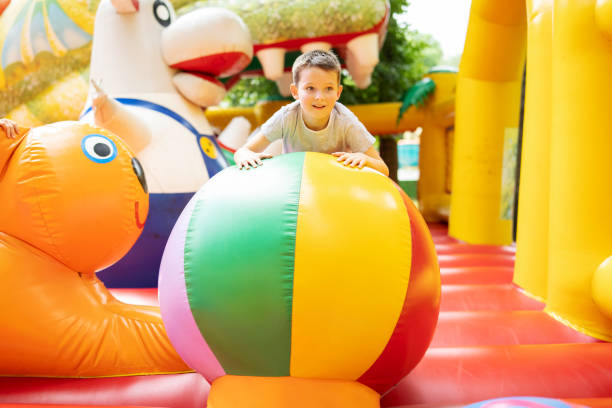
<point>304,268</point>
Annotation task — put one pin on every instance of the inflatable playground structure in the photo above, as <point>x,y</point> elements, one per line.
<point>139,268</point>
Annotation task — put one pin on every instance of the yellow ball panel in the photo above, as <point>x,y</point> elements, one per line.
<point>352,265</point>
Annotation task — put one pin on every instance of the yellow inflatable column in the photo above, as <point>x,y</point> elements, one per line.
<point>531,270</point>
<point>435,149</point>
<point>431,187</point>
<point>581,163</point>
<point>488,102</point>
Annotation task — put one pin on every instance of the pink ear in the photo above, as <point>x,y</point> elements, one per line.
<point>125,6</point>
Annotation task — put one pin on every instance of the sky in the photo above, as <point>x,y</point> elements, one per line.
<point>445,20</point>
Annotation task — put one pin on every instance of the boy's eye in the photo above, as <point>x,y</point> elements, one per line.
<point>309,88</point>
<point>329,88</point>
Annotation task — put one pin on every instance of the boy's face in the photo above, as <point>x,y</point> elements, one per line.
<point>317,90</point>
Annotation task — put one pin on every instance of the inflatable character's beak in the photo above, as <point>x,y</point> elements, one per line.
<point>8,146</point>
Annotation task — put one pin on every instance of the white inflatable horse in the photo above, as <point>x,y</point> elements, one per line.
<point>137,45</point>
<point>157,72</point>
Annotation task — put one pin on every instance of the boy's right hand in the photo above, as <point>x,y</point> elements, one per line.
<point>245,158</point>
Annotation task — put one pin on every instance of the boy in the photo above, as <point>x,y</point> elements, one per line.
<point>315,121</point>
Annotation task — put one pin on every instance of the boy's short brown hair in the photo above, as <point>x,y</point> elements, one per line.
<point>325,60</point>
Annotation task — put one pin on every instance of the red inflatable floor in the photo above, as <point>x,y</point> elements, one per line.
<point>494,341</point>
<point>491,341</point>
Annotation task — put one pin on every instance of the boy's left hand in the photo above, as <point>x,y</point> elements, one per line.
<point>351,159</point>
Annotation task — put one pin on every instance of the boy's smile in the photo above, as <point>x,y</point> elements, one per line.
<point>317,90</point>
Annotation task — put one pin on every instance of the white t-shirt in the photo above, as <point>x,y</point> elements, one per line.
<point>343,133</point>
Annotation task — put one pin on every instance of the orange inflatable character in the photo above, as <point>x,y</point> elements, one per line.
<point>74,200</point>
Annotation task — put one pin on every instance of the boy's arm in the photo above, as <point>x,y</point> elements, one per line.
<point>250,154</point>
<point>358,137</point>
<point>375,161</point>
<point>369,158</point>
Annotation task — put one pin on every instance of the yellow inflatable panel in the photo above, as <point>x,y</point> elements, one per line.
<point>221,117</point>
<point>477,171</point>
<point>495,43</point>
<point>320,327</point>
<point>488,101</point>
<point>531,268</point>
<point>580,165</point>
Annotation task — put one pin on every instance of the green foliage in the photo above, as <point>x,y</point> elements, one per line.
<point>416,95</point>
<point>249,91</point>
<point>405,57</point>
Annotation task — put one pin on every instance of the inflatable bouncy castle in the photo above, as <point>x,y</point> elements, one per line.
<point>301,282</point>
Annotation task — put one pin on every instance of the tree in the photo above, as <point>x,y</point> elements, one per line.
<point>249,91</point>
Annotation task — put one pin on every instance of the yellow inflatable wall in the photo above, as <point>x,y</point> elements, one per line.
<point>532,228</point>
<point>580,165</point>
<point>488,102</point>
<point>564,220</point>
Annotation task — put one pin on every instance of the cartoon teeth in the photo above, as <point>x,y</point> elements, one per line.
<point>365,49</point>
<point>202,90</point>
<point>272,61</point>
<point>362,57</point>
<point>283,83</point>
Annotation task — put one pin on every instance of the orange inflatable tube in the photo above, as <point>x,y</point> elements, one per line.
<point>74,200</point>
<point>280,392</point>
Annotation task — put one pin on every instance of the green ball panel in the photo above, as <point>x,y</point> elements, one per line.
<point>239,262</point>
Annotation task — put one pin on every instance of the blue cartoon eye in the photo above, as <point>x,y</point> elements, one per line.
<point>99,148</point>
